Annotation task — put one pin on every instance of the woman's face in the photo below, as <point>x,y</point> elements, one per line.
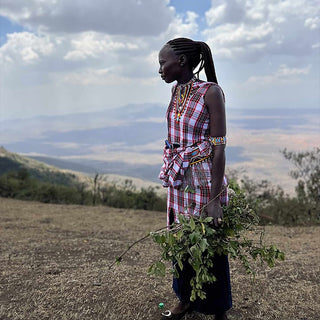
<point>170,68</point>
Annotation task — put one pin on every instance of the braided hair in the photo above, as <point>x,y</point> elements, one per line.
<point>197,52</point>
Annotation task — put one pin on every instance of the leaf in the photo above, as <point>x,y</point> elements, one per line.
<point>203,244</point>
<point>157,269</point>
<point>182,219</point>
<point>175,272</point>
<point>229,232</point>
<point>203,228</point>
<point>194,237</point>
<point>192,224</point>
<point>171,240</point>
<point>180,264</point>
<point>208,220</point>
<point>162,238</point>
<point>194,251</point>
<point>189,189</point>
<point>179,235</point>
<point>210,232</point>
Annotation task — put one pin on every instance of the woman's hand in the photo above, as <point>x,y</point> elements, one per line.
<point>214,210</point>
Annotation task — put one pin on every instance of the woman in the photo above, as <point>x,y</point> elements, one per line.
<point>194,161</point>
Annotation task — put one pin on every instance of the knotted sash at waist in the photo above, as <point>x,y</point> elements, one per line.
<point>177,160</point>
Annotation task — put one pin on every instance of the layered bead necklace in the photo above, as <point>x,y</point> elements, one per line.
<point>182,95</point>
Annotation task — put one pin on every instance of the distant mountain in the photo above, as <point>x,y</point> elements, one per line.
<point>99,142</point>
<point>66,164</point>
<point>89,166</point>
<point>93,135</point>
<point>128,141</point>
<point>42,128</point>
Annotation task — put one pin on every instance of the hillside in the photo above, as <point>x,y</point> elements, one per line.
<point>10,161</point>
<point>45,172</point>
<point>148,172</point>
<point>114,172</point>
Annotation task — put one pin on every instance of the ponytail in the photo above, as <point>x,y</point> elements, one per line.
<point>206,62</point>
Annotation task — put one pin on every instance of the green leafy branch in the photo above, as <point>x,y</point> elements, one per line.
<point>195,241</point>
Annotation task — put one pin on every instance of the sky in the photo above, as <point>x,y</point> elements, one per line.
<point>60,57</point>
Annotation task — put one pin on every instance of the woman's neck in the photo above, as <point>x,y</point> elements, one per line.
<point>185,78</point>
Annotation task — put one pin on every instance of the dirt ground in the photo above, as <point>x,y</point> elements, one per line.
<point>54,265</point>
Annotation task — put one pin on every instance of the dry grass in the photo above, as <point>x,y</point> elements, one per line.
<point>54,265</point>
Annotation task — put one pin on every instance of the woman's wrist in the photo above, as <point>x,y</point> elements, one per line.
<point>215,200</point>
<point>215,203</point>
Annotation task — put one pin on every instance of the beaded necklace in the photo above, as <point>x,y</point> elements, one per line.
<point>182,95</point>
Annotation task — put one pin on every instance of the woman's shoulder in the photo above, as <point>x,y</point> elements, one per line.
<point>203,83</point>
<point>214,91</point>
<point>209,87</point>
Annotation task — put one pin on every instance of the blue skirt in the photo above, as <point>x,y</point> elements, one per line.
<point>218,294</point>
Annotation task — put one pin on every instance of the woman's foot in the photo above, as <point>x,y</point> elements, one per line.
<point>177,312</point>
<point>180,307</point>
<point>222,316</point>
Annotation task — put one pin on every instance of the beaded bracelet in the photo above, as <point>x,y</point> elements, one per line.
<point>217,141</point>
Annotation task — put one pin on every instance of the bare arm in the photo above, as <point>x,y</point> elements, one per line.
<point>214,101</point>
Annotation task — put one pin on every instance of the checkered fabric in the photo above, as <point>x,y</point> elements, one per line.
<point>191,132</point>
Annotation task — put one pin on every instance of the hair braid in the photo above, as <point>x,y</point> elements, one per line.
<point>197,52</point>
<point>208,63</point>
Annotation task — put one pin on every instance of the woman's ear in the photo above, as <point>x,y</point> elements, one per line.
<point>183,60</point>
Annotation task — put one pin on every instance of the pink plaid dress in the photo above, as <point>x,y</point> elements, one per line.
<point>188,185</point>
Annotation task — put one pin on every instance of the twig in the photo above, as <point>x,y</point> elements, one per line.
<point>118,259</point>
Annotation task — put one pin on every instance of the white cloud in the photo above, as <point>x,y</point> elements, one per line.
<point>95,67</point>
<point>231,11</point>
<point>93,45</point>
<point>69,64</point>
<point>246,29</point>
<point>130,17</point>
<point>282,76</point>
<point>182,26</point>
<point>98,77</point>
<point>312,23</point>
<point>285,72</point>
<point>26,48</point>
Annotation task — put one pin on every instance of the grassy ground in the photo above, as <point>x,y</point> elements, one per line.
<point>54,265</point>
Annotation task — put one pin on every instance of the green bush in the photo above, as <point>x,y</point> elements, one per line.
<point>20,185</point>
<point>273,205</point>
<point>145,199</point>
